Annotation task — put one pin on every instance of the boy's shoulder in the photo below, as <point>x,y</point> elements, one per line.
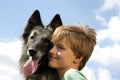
<point>73,74</point>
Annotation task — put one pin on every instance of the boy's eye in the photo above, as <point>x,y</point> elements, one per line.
<point>59,47</point>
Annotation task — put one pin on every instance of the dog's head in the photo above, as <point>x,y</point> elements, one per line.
<point>37,41</point>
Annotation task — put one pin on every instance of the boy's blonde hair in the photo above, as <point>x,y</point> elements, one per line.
<point>81,39</point>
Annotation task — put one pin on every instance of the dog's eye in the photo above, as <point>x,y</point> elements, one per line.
<point>33,35</point>
<point>46,40</point>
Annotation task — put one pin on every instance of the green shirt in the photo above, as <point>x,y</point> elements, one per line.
<point>73,74</point>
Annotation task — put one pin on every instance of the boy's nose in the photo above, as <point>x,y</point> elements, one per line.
<point>53,50</point>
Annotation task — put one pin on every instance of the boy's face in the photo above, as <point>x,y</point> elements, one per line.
<point>61,56</point>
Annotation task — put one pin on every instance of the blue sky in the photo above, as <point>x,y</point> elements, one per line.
<point>14,14</point>
<point>102,15</point>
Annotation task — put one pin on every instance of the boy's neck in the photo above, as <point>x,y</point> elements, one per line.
<point>61,73</point>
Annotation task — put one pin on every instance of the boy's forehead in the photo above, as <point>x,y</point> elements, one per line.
<point>60,42</point>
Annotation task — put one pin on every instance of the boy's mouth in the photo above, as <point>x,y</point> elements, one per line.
<point>53,57</point>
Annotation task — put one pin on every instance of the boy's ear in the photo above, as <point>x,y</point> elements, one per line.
<point>78,59</point>
<point>55,22</point>
<point>34,21</point>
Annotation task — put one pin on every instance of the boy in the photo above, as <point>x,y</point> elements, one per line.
<point>73,46</point>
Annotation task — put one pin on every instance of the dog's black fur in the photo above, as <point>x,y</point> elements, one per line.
<point>36,44</point>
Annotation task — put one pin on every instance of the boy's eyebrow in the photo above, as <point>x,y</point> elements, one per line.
<point>60,45</point>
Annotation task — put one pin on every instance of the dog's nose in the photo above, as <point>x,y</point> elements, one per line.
<point>32,52</point>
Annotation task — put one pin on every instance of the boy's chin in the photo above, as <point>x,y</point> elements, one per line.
<point>52,65</point>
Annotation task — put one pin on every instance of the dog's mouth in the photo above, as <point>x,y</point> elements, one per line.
<point>30,67</point>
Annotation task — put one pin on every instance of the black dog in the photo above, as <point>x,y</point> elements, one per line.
<point>36,44</point>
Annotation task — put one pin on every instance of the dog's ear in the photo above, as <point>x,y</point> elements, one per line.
<point>55,22</point>
<point>34,21</point>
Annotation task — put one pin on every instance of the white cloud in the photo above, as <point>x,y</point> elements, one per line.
<point>100,18</point>
<point>107,55</point>
<point>114,28</point>
<point>9,56</point>
<point>89,73</point>
<point>108,62</point>
<point>104,74</point>
<point>112,31</point>
<point>100,74</point>
<point>109,4</point>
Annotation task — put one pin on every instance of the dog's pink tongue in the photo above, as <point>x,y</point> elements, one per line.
<point>30,67</point>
